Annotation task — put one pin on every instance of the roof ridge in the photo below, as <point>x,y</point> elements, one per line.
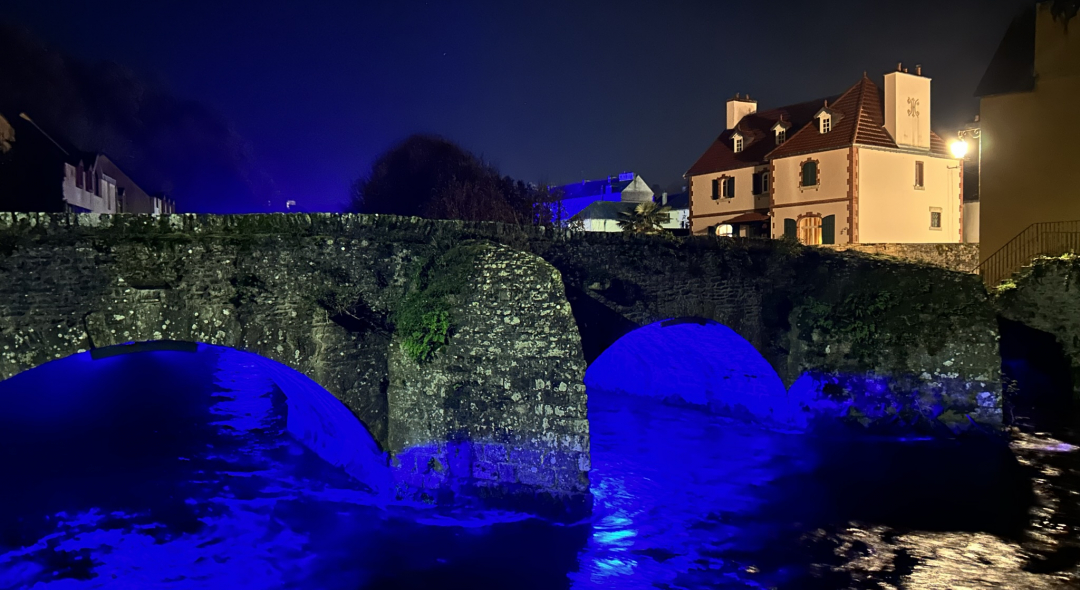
<point>859,107</point>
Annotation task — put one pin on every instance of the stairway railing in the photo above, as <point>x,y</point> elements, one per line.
<point>1048,238</point>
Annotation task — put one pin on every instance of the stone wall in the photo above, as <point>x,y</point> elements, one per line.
<point>1046,296</point>
<point>880,341</point>
<point>318,295</point>
<point>877,340</point>
<point>958,257</point>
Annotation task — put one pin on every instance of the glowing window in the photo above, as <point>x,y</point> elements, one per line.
<point>826,124</point>
<point>725,230</point>
<point>810,230</point>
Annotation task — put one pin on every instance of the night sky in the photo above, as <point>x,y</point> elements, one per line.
<point>548,91</point>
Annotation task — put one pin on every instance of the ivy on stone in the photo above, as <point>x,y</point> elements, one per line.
<point>425,317</point>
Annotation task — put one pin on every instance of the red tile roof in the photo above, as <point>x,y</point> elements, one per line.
<point>858,119</point>
<point>758,138</point>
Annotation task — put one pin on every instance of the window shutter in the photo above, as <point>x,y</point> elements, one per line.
<point>731,188</point>
<point>757,184</point>
<point>716,188</point>
<point>790,229</point>
<point>828,229</point>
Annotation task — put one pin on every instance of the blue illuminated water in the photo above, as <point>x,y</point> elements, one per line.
<point>181,470</point>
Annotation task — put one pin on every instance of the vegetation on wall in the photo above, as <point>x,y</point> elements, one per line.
<point>425,317</point>
<point>884,317</point>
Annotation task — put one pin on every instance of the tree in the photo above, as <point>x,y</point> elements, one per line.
<point>646,218</point>
<point>428,176</point>
<point>1064,10</point>
<point>408,177</point>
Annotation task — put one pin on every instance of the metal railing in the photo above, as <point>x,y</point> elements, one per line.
<point>1049,238</point>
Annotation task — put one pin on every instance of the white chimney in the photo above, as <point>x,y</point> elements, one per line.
<point>907,108</point>
<point>739,107</point>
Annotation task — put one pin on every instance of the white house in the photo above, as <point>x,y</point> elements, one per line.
<point>861,167</point>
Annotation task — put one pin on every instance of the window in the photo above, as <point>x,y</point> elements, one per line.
<point>810,230</point>
<point>761,183</point>
<point>809,173</point>
<point>725,230</point>
<point>738,143</point>
<point>729,187</point>
<point>781,136</point>
<point>826,123</point>
<point>918,175</point>
<point>935,218</point>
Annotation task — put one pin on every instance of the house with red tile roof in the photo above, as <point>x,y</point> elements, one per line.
<point>860,167</point>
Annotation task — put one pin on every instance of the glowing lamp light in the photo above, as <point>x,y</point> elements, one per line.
<point>959,148</point>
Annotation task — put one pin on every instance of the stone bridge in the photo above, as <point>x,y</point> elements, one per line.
<point>463,346</point>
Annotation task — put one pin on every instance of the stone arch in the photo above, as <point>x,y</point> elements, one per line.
<point>318,296</point>
<point>314,416</point>
<point>695,361</point>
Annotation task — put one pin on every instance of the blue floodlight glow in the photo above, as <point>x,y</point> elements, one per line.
<point>704,364</point>
<point>224,469</point>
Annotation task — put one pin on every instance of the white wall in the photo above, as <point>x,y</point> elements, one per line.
<point>737,109</point>
<point>707,212</point>
<point>678,219</point>
<point>839,209</point>
<point>829,197</point>
<point>78,197</point>
<point>892,210</point>
<point>971,222</point>
<point>908,123</point>
<point>607,225</point>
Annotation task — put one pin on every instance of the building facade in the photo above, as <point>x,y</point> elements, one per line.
<point>1028,119</point>
<point>861,167</point>
<point>598,205</point>
<point>39,173</point>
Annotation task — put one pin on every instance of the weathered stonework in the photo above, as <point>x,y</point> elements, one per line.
<point>1046,296</point>
<point>494,408</point>
<point>958,257</point>
<point>501,410</point>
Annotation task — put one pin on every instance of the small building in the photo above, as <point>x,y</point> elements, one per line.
<point>40,173</point>
<point>579,195</point>
<point>679,203</point>
<point>860,167</point>
<point>609,199</point>
<point>1028,115</point>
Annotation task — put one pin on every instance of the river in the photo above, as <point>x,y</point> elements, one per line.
<point>176,470</point>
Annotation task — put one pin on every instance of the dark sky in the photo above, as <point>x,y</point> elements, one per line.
<point>548,91</point>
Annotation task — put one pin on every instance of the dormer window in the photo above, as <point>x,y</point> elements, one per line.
<point>825,122</point>
<point>738,142</point>
<point>780,129</point>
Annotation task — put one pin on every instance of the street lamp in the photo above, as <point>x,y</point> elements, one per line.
<point>959,149</point>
